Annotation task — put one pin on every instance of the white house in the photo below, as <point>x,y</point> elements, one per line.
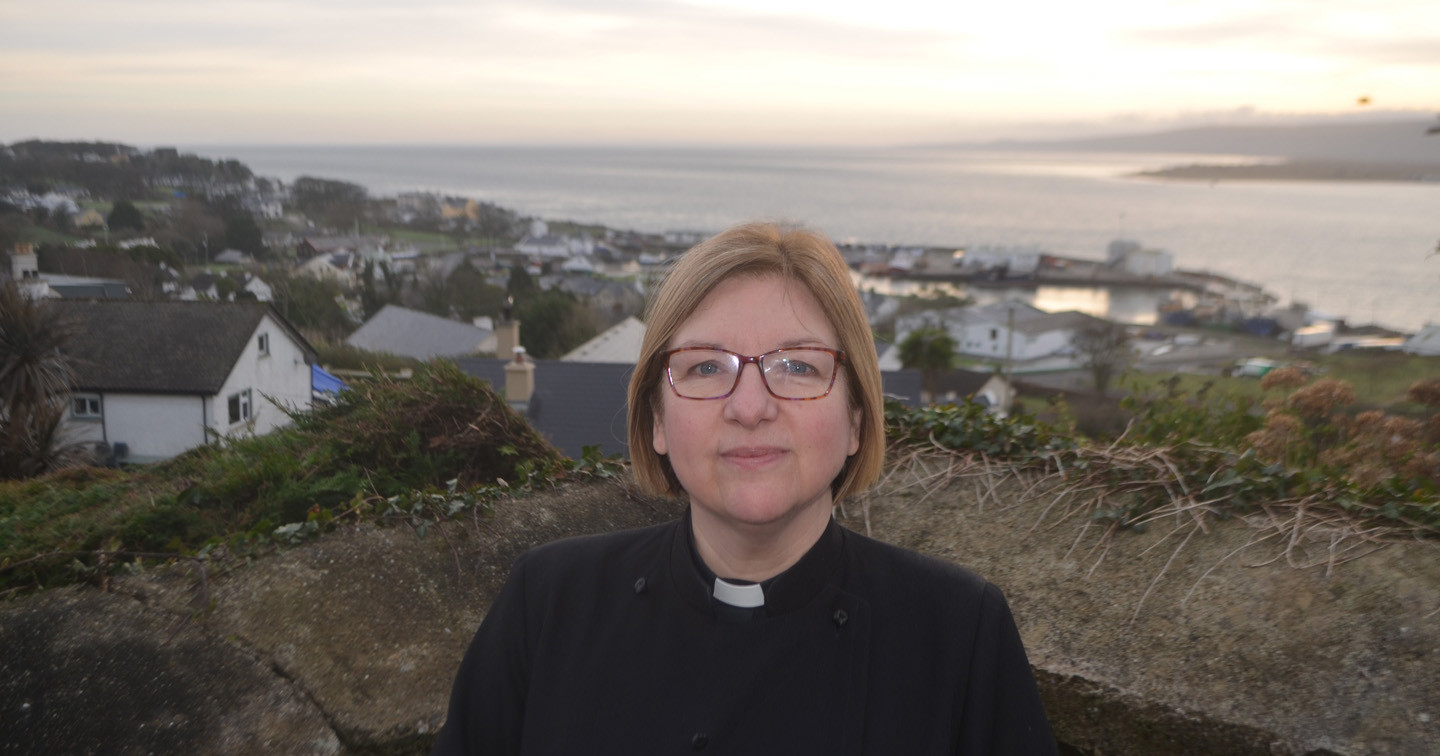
<point>549,245</point>
<point>339,267</point>
<point>1129,256</point>
<point>994,332</point>
<point>1426,342</point>
<point>257,286</point>
<point>154,379</point>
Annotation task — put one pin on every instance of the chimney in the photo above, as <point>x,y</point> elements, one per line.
<point>507,337</point>
<point>23,265</point>
<point>519,379</point>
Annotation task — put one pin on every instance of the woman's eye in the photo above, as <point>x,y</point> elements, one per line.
<point>706,368</point>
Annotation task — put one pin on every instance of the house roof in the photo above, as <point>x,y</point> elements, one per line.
<point>411,333</point>
<point>163,347</point>
<point>579,404</point>
<point>1070,320</point>
<point>962,382</point>
<point>999,313</point>
<point>574,404</point>
<point>619,343</point>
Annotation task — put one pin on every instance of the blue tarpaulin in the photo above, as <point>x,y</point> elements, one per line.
<point>325,382</point>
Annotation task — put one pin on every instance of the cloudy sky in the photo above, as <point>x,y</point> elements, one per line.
<point>696,71</point>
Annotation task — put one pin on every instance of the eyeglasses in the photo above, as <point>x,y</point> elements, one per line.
<point>797,374</point>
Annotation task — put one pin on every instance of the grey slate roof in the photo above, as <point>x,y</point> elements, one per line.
<point>411,333</point>
<point>579,404</point>
<point>575,404</point>
<point>962,382</point>
<point>162,347</point>
<point>1069,320</point>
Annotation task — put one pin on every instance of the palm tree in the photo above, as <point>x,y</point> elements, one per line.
<point>35,382</point>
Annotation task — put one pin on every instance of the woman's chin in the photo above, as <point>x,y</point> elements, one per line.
<point>762,508</point>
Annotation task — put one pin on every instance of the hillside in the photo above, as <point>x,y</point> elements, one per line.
<point>1395,142</point>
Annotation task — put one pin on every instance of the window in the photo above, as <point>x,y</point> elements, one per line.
<point>85,407</point>
<point>264,344</point>
<point>239,406</point>
<point>994,333</point>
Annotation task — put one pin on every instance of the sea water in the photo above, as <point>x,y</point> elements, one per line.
<point>1364,251</point>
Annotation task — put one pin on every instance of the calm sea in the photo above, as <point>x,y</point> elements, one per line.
<point>1365,251</point>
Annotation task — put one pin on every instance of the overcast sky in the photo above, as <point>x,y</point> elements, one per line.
<point>694,72</point>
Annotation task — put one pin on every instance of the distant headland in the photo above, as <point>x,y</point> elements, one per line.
<point>1299,170</point>
<point>1401,150</point>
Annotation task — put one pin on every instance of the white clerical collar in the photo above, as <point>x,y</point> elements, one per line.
<point>746,596</point>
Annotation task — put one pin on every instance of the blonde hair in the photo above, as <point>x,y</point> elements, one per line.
<point>759,249</point>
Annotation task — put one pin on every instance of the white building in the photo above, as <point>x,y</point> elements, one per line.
<point>1426,342</point>
<point>154,379</point>
<point>1129,256</point>
<point>1011,261</point>
<point>995,332</point>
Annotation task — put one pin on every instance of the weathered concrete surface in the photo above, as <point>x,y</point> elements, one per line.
<point>343,646</point>
<point>1231,652</point>
<point>348,645</point>
<point>82,672</point>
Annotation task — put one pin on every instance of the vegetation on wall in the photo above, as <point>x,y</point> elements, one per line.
<point>386,449</point>
<point>1299,458</point>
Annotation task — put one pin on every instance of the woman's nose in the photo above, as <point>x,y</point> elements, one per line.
<point>750,402</point>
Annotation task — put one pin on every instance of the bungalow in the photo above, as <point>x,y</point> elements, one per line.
<point>25,270</point>
<point>994,332</point>
<point>154,379</point>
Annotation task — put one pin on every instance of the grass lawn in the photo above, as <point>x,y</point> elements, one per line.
<point>1381,378</point>
<point>42,235</point>
<point>418,237</point>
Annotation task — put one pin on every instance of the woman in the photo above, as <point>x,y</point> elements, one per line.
<point>755,624</point>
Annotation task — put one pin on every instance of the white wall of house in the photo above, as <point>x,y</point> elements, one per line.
<point>1426,342</point>
<point>279,371</point>
<point>153,426</point>
<point>991,340</point>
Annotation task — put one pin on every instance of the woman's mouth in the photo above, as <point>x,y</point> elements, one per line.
<point>752,456</point>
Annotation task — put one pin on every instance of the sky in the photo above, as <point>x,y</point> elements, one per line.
<point>698,72</point>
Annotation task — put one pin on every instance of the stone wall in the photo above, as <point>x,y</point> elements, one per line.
<point>348,645</point>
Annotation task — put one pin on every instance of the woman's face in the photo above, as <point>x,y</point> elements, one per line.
<point>751,458</point>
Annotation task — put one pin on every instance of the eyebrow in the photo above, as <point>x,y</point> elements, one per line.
<point>789,344</point>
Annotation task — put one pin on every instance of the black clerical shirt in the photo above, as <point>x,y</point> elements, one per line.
<point>612,644</point>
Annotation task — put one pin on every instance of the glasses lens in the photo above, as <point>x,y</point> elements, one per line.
<point>703,373</point>
<point>799,373</point>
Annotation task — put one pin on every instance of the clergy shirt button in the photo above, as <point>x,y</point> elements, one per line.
<point>699,741</point>
<point>640,586</point>
<point>840,618</point>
